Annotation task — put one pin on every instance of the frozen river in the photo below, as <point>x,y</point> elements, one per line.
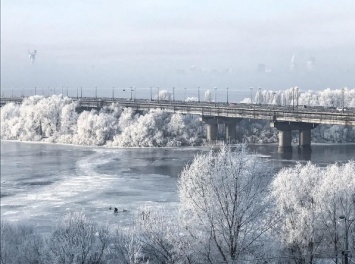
<point>40,183</point>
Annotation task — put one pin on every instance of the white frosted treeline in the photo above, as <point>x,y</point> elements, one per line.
<point>54,119</point>
<point>295,96</point>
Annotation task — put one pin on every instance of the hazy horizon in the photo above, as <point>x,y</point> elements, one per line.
<point>207,44</point>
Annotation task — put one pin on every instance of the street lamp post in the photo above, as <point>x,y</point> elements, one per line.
<point>227,94</point>
<point>259,97</point>
<point>198,93</point>
<point>113,93</point>
<point>185,94</point>
<point>173,93</point>
<point>131,91</point>
<point>151,93</point>
<point>215,95</point>
<point>343,97</point>
<point>158,95</point>
<point>251,95</point>
<point>293,98</point>
<point>347,224</point>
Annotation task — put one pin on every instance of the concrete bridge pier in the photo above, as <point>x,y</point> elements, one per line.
<point>304,140</point>
<point>285,129</point>
<point>231,131</point>
<point>212,132</point>
<point>285,141</point>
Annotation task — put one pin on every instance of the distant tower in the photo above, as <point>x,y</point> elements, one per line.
<point>293,64</point>
<point>261,68</point>
<point>32,55</point>
<point>310,64</point>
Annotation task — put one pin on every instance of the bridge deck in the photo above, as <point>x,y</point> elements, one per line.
<point>317,115</point>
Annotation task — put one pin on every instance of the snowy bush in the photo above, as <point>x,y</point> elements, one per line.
<point>76,240</point>
<point>20,244</point>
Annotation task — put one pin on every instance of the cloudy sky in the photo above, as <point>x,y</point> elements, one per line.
<point>178,43</point>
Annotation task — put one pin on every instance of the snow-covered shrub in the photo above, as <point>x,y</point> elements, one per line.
<point>20,244</point>
<point>76,240</point>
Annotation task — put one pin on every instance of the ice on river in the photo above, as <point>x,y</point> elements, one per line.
<point>41,183</point>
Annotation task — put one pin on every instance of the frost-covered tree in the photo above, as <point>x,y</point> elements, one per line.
<point>335,196</point>
<point>165,95</point>
<point>76,240</point>
<point>222,204</point>
<point>208,96</point>
<point>293,191</point>
<point>309,200</point>
<point>294,96</point>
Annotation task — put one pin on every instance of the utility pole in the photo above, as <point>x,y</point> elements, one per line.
<point>343,97</point>
<point>215,95</point>
<point>259,97</point>
<point>251,95</point>
<point>293,98</point>
<point>347,224</point>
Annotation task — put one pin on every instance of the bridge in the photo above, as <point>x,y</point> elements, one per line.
<point>283,118</point>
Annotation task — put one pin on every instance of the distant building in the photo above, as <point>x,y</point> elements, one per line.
<point>261,67</point>
<point>310,64</point>
<point>293,64</point>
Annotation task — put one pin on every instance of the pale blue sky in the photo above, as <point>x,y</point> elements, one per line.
<point>156,43</point>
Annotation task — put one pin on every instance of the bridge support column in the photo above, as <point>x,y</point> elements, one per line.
<point>285,141</point>
<point>212,132</point>
<point>304,140</point>
<point>231,131</point>
<point>285,135</point>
